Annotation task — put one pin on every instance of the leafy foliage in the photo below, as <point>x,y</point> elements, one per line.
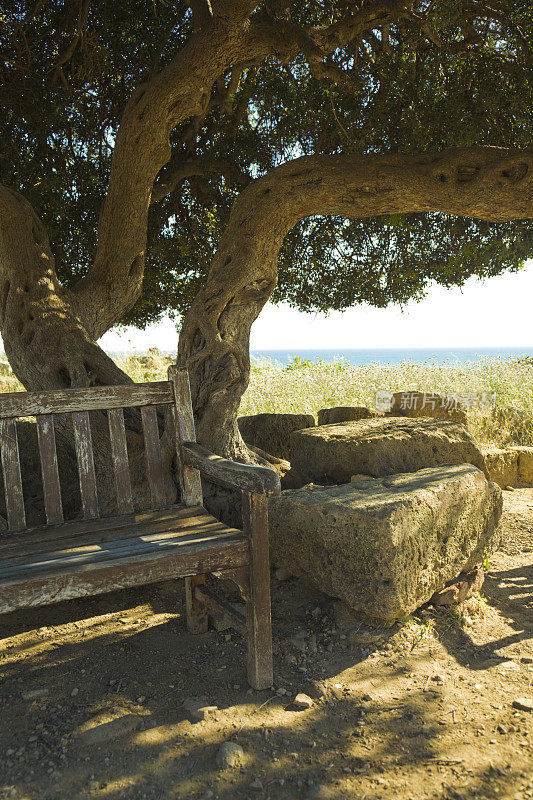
<point>69,68</point>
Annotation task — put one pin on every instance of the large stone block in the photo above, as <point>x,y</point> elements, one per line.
<point>502,466</point>
<point>426,404</point>
<point>330,416</point>
<point>272,432</point>
<point>386,546</point>
<point>381,446</point>
<point>525,464</point>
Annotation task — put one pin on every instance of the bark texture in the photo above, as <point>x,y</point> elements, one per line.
<point>486,183</point>
<point>50,333</point>
<point>45,340</point>
<point>142,148</point>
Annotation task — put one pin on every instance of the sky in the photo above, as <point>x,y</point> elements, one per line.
<point>497,312</point>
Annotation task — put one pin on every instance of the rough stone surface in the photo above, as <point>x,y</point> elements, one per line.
<point>34,694</point>
<point>108,727</point>
<point>329,416</point>
<point>525,464</point>
<point>461,589</point>
<point>272,432</point>
<point>230,755</point>
<point>385,550</point>
<point>523,703</point>
<point>302,701</point>
<point>426,404</point>
<point>381,446</point>
<point>198,709</point>
<point>502,466</point>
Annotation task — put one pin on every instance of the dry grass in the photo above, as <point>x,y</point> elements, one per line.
<point>305,387</point>
<point>150,366</point>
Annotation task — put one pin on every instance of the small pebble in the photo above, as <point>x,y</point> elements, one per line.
<point>302,701</point>
<point>231,755</point>
<point>34,694</point>
<point>198,709</point>
<point>256,785</point>
<point>523,703</point>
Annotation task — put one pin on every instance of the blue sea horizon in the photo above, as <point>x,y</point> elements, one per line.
<point>417,355</point>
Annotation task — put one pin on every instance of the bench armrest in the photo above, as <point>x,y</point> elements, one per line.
<point>259,480</point>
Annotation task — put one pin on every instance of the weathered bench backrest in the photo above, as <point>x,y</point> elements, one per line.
<point>79,402</point>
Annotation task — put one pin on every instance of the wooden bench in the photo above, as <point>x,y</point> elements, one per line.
<point>63,560</point>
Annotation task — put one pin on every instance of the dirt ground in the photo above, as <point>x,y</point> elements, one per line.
<point>91,697</point>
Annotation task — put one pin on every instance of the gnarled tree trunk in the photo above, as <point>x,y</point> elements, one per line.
<point>45,340</point>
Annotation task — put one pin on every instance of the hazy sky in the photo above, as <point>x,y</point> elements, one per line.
<point>495,313</point>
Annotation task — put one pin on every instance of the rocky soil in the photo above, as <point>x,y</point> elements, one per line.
<point>112,698</point>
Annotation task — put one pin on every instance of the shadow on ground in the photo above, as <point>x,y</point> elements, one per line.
<point>423,710</point>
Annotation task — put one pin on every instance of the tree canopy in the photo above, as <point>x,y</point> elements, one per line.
<point>438,74</point>
<point>200,157</point>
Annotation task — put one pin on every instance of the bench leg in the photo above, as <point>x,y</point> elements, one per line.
<point>258,622</point>
<point>196,612</point>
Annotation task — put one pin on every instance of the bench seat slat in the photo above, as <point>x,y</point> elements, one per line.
<point>94,543</point>
<point>16,517</point>
<point>109,527</point>
<point>114,551</point>
<point>140,564</point>
<point>30,404</point>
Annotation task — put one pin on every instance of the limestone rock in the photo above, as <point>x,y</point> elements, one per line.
<point>34,694</point>
<point>198,709</point>
<point>302,701</point>
<point>523,703</point>
<point>461,589</point>
<point>107,727</point>
<point>381,446</point>
<point>272,432</point>
<point>502,466</point>
<point>385,550</point>
<point>426,404</point>
<point>230,755</point>
<point>525,464</point>
<point>330,416</point>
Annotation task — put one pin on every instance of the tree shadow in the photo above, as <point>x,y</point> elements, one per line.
<point>511,593</point>
<point>349,744</point>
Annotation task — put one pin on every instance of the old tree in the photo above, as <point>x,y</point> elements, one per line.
<point>173,156</point>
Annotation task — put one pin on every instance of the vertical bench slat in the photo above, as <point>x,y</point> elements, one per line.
<point>154,463</point>
<point>190,480</point>
<point>191,484</point>
<point>119,451</point>
<point>49,469</point>
<point>84,454</point>
<point>16,518</point>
